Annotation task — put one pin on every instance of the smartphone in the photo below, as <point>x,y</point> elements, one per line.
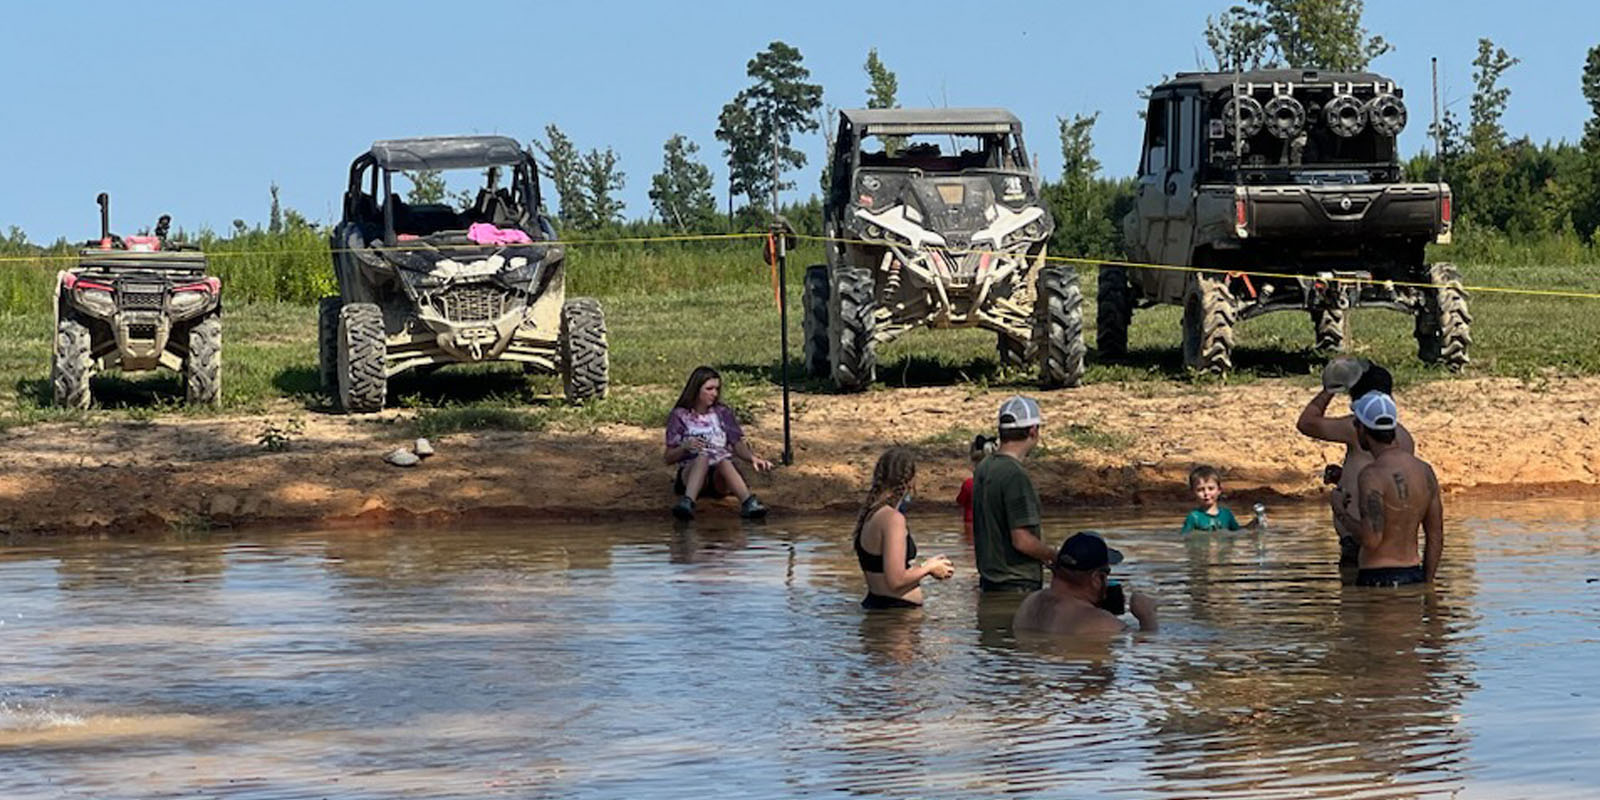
<point>1332,474</point>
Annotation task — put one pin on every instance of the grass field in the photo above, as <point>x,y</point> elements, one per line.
<point>671,307</point>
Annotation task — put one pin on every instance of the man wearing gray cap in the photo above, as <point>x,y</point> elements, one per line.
<point>1006,542</point>
<point>1397,494</point>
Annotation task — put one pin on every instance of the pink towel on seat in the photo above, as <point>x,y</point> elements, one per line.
<point>484,233</point>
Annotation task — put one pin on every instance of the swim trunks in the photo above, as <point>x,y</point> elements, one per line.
<point>880,601</point>
<point>1390,577</point>
<point>1349,551</point>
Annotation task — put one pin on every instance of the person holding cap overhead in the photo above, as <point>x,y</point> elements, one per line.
<point>1397,494</point>
<point>1082,600</point>
<point>1006,542</point>
<point>1359,377</point>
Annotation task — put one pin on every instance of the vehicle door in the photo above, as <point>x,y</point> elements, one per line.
<point>1150,234</point>
<point>1183,115</point>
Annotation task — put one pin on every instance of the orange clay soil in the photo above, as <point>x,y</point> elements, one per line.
<point>1133,444</point>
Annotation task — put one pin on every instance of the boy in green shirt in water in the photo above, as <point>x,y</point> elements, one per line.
<point>1206,483</point>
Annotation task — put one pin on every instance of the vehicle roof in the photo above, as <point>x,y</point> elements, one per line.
<point>1218,81</point>
<point>930,120</point>
<point>446,152</point>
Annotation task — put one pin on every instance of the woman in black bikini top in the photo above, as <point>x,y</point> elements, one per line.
<point>892,581</point>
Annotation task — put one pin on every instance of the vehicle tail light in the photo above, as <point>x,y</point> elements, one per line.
<point>1444,209</point>
<point>1241,219</point>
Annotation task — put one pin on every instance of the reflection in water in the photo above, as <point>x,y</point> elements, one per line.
<point>732,659</point>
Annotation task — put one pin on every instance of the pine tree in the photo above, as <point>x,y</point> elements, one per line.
<point>601,182</point>
<point>882,86</point>
<point>778,104</point>
<point>564,166</point>
<point>681,191</point>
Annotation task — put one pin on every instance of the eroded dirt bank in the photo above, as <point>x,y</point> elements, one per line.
<point>1132,444</point>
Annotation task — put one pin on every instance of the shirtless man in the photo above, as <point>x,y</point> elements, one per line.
<point>1398,494</point>
<point>1315,423</point>
<point>1071,604</point>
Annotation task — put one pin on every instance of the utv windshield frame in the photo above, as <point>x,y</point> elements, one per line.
<point>999,131</point>
<point>372,176</point>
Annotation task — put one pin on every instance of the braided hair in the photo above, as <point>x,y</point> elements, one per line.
<point>891,478</point>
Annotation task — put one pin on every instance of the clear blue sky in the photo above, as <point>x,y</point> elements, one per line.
<point>193,108</point>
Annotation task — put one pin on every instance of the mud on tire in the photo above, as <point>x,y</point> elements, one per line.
<point>1208,319</point>
<point>328,343</point>
<point>71,364</point>
<point>852,324</point>
<point>202,368</point>
<point>362,378</point>
<point>1443,324</point>
<point>1011,353</point>
<point>1059,331</point>
<point>585,360</point>
<point>1328,325</point>
<point>1113,311</point>
<point>814,326</point>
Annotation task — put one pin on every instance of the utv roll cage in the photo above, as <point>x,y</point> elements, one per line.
<point>998,131</point>
<point>371,178</point>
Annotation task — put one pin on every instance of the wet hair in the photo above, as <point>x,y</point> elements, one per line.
<point>1382,437</point>
<point>1204,472</point>
<point>981,447</point>
<point>1374,379</point>
<point>697,380</point>
<point>1016,434</point>
<point>890,480</point>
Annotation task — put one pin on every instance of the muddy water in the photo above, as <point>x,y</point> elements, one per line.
<point>730,660</point>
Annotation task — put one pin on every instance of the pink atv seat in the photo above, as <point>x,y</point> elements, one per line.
<point>484,233</point>
<point>142,244</point>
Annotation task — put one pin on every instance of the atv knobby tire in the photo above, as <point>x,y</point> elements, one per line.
<point>362,377</point>
<point>1443,324</point>
<point>1328,324</point>
<point>585,362</point>
<point>202,368</point>
<point>71,365</point>
<point>1113,311</point>
<point>852,325</point>
<point>814,326</point>
<point>1060,310</point>
<point>1009,352</point>
<point>1208,318</point>
<point>328,343</point>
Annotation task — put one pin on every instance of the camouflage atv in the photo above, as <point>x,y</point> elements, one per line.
<point>137,303</point>
<point>424,285</point>
<point>1291,173</point>
<point>937,222</point>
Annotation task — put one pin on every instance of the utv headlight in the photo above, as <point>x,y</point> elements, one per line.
<point>872,232</point>
<point>97,301</point>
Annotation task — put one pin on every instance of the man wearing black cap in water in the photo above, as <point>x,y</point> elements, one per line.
<point>1081,599</point>
<point>1398,494</point>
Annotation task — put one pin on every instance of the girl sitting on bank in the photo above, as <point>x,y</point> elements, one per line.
<point>884,547</point>
<point>703,439</point>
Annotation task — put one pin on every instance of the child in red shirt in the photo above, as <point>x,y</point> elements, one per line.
<point>982,446</point>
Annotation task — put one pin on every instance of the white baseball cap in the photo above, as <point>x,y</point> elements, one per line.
<point>1376,411</point>
<point>1019,412</point>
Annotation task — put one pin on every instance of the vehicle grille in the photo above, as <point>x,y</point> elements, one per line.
<point>139,301</point>
<point>477,303</point>
<point>141,331</point>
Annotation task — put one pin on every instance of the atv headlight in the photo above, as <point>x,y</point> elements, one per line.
<point>183,303</point>
<point>97,301</point>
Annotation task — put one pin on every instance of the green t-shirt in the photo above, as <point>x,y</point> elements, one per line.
<point>1199,520</point>
<point>1003,499</point>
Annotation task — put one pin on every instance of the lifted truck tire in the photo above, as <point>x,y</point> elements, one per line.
<point>71,366</point>
<point>1208,318</point>
<point>1061,323</point>
<point>328,342</point>
<point>1113,311</point>
<point>363,381</point>
<point>585,360</point>
<point>854,356</point>
<point>202,368</point>
<point>1443,324</point>
<point>1328,324</point>
<point>814,326</point>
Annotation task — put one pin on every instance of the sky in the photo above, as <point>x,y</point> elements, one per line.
<point>194,108</point>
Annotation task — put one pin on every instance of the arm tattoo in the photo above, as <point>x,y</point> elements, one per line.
<point>1373,513</point>
<point>1400,487</point>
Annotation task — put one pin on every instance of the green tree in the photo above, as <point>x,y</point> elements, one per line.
<point>1301,34</point>
<point>601,182</point>
<point>427,186</point>
<point>681,191</point>
<point>275,211</point>
<point>1485,181</point>
<point>1591,93</point>
<point>778,104</point>
<point>1087,208</point>
<point>564,166</point>
<point>882,88</point>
